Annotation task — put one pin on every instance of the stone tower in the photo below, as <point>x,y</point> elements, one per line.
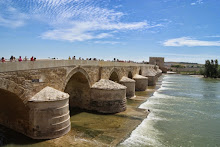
<point>158,61</point>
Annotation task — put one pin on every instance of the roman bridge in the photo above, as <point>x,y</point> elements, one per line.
<point>35,96</point>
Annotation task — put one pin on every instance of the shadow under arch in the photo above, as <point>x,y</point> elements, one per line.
<point>130,75</point>
<point>140,72</point>
<point>114,76</point>
<point>75,70</point>
<point>78,87</point>
<point>14,113</point>
<point>12,87</point>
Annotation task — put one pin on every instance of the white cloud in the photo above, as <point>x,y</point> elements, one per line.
<point>81,31</point>
<point>107,42</point>
<point>197,2</point>
<point>72,35</point>
<point>213,36</point>
<point>73,20</point>
<point>118,6</point>
<point>187,41</point>
<point>13,19</point>
<point>91,20</point>
<point>11,23</point>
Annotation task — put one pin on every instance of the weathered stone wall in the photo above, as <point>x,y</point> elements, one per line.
<point>141,82</point>
<point>13,113</point>
<point>130,84</point>
<point>158,61</point>
<point>33,81</point>
<point>49,119</point>
<point>77,78</point>
<point>108,101</point>
<point>27,83</point>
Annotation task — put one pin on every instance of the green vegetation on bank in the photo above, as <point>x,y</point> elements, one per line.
<point>189,72</point>
<point>212,69</point>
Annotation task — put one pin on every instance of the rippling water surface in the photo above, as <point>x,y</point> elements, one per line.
<point>185,111</point>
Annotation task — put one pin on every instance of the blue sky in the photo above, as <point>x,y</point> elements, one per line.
<point>179,30</point>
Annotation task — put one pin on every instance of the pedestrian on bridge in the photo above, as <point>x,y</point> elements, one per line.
<point>20,59</point>
<point>32,58</point>
<point>12,58</point>
<point>3,59</point>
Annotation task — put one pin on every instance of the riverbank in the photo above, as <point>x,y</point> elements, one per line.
<point>92,129</point>
<point>197,76</point>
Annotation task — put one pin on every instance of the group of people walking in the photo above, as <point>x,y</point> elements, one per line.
<point>13,59</point>
<point>95,59</point>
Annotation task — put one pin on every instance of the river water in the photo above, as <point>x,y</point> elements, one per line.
<point>185,111</point>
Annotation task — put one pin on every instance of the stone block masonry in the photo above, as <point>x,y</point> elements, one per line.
<point>41,92</point>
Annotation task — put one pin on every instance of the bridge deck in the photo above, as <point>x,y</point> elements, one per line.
<point>39,64</point>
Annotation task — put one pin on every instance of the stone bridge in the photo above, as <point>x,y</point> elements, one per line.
<point>35,97</point>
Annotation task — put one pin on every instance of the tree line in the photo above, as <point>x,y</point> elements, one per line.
<point>212,69</point>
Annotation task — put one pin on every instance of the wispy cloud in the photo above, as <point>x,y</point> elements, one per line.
<point>190,42</point>
<point>107,42</point>
<point>213,36</point>
<point>12,18</point>
<point>197,2</point>
<point>118,6</point>
<point>75,20</point>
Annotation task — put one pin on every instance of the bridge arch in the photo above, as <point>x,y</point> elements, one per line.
<point>140,72</point>
<point>77,85</point>
<point>75,70</point>
<point>12,87</point>
<point>114,76</point>
<point>14,113</point>
<point>130,75</point>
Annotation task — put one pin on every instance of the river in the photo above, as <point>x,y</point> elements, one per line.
<point>185,111</point>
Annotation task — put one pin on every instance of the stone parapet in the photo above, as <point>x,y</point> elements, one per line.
<point>41,64</point>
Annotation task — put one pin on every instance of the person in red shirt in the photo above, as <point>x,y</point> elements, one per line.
<point>20,59</point>
<point>32,58</point>
<point>3,59</point>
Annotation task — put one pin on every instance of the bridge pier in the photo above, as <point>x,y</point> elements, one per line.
<point>130,84</point>
<point>49,114</point>
<point>154,73</point>
<point>141,82</point>
<point>108,97</point>
<point>151,76</point>
<point>159,71</point>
